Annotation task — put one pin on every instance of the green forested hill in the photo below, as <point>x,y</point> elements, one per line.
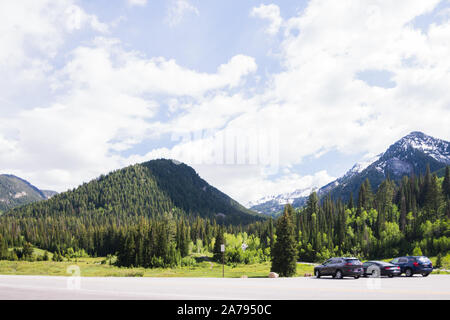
<point>149,189</point>
<point>146,213</point>
<point>193,194</point>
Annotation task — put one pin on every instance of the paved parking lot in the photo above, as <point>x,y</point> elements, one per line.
<point>43,287</point>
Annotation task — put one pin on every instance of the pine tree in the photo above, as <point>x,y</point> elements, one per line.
<point>3,248</point>
<point>402,211</point>
<point>439,261</point>
<point>27,250</point>
<point>220,239</point>
<point>350,202</point>
<point>446,183</point>
<point>312,204</point>
<point>284,256</point>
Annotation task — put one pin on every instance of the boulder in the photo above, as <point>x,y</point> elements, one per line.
<point>273,275</point>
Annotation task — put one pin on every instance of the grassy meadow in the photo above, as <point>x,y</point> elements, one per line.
<point>95,267</point>
<point>100,267</point>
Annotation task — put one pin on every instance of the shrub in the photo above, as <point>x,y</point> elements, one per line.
<point>188,261</point>
<point>417,251</point>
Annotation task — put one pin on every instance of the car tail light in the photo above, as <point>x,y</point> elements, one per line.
<point>416,264</point>
<point>391,268</point>
<point>348,264</point>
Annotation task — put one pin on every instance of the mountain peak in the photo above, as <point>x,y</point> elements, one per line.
<point>409,155</point>
<point>15,191</point>
<point>435,148</point>
<point>417,134</point>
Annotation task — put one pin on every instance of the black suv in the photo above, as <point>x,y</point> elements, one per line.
<point>380,268</point>
<point>414,265</point>
<point>339,268</point>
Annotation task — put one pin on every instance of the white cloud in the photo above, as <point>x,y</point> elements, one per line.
<point>106,98</point>
<point>177,10</point>
<point>39,25</point>
<point>318,103</point>
<point>76,18</point>
<point>270,12</point>
<point>106,64</point>
<point>322,96</point>
<point>137,2</point>
<point>104,106</point>
<point>32,32</point>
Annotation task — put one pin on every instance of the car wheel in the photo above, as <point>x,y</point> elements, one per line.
<point>425,274</point>
<point>391,276</point>
<point>408,272</point>
<point>338,274</point>
<point>317,274</point>
<point>356,277</point>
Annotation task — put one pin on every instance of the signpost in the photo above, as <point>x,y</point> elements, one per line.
<point>222,248</point>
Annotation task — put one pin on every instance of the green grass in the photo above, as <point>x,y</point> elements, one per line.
<point>93,267</point>
<point>36,252</point>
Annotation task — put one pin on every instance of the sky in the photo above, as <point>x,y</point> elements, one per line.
<point>259,97</point>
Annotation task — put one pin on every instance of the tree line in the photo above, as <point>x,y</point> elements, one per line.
<point>397,219</point>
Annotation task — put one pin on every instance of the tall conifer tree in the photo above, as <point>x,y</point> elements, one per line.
<point>284,256</point>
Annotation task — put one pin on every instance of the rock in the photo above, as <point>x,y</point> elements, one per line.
<point>308,275</point>
<point>273,275</point>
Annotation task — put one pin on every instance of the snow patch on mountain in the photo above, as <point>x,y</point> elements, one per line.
<point>436,148</point>
<point>20,195</point>
<point>401,158</point>
<point>281,199</point>
<point>361,166</point>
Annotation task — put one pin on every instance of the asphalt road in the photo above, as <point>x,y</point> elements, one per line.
<point>68,288</point>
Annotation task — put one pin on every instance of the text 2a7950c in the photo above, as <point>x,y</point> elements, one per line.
<point>246,309</point>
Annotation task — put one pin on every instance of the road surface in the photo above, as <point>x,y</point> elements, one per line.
<point>68,288</point>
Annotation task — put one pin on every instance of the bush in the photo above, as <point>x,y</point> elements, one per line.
<point>157,262</point>
<point>188,262</point>
<point>135,274</point>
<point>417,251</point>
<point>439,261</point>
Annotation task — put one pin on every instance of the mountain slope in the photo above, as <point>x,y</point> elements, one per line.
<point>409,155</point>
<point>15,191</point>
<point>272,205</point>
<point>148,189</point>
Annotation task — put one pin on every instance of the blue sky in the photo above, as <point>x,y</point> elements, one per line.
<point>259,97</point>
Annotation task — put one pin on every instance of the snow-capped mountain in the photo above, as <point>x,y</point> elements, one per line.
<point>436,148</point>
<point>409,155</point>
<point>274,204</point>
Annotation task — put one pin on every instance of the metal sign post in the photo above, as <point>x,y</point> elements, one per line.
<point>222,248</point>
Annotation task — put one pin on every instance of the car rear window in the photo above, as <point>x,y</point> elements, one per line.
<point>353,261</point>
<point>424,260</point>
